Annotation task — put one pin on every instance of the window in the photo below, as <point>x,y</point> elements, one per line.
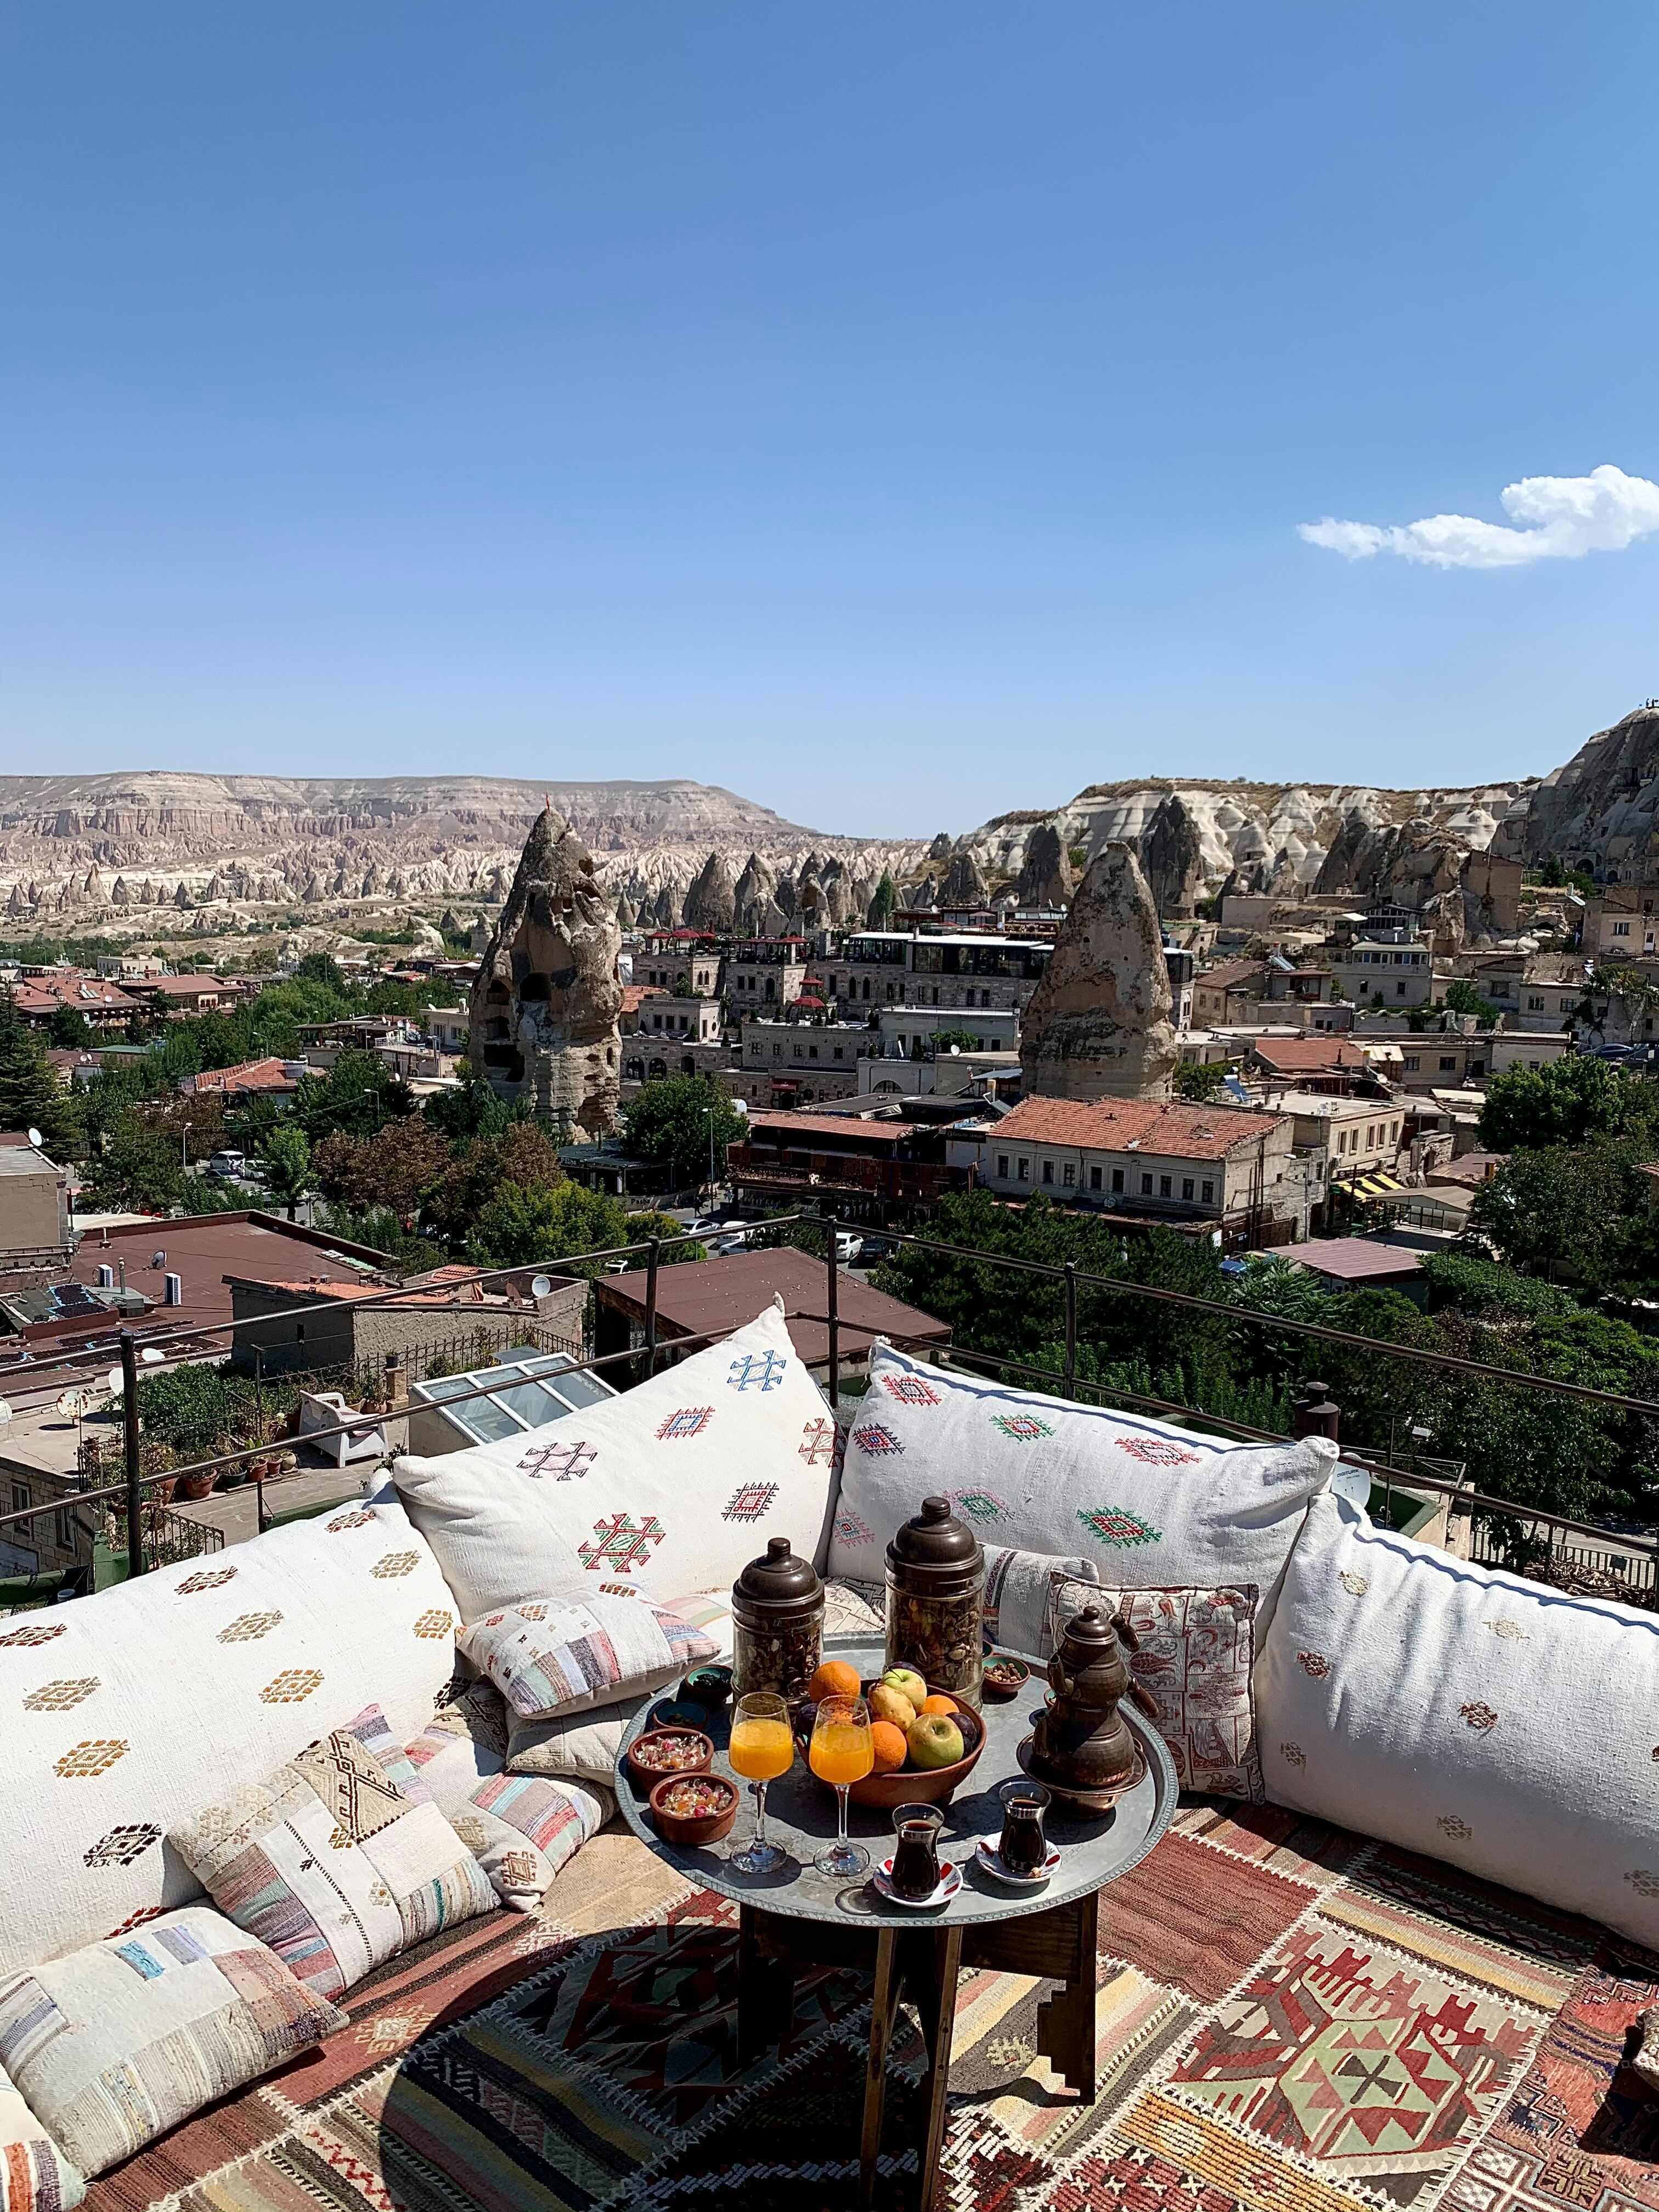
<point>1025,1170</point>
<point>1187,1189</point>
<point>1410,1063</point>
<point>1145,1186</point>
<point>1002,1167</point>
<point>65,1525</point>
<point>1534,1005</point>
<point>1094,1178</point>
<point>1621,929</point>
<point>21,1501</point>
<point>1164,1186</point>
<point>1448,1062</point>
<point>1047,1171</point>
<point>1206,1192</point>
<point>1068,1176</point>
<point>1117,1181</point>
<point>1394,1133</point>
<point>1400,990</point>
<point>838,1052</point>
<point>1477,1068</point>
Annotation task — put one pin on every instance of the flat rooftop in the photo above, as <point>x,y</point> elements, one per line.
<point>716,1296</point>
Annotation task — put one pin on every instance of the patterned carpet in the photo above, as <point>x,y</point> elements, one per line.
<point>1289,2020</point>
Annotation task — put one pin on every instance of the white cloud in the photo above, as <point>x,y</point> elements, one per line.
<point>1561,517</point>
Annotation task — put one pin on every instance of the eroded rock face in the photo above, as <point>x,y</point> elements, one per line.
<point>1172,855</point>
<point>965,884</point>
<point>1100,1024</point>
<point>1046,878</point>
<point>1602,810</point>
<point>542,1023</point>
<point>711,902</point>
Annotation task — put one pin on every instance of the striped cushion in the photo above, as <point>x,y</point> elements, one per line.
<point>548,1656</point>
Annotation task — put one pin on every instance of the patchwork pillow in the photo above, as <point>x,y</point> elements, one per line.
<point>548,1657</point>
<point>333,1865</point>
<point>1019,1592</point>
<point>521,1833</point>
<point>119,2042</point>
<point>1468,1715</point>
<point>34,2174</point>
<point>584,1748</point>
<point>674,1485</point>
<point>121,1714</point>
<point>1155,1507</point>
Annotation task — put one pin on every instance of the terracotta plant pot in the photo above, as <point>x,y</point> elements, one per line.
<point>194,1487</point>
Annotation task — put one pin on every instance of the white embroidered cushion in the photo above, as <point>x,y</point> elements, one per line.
<point>674,1485</point>
<point>547,1656</point>
<point>122,1714</point>
<point>34,2174</point>
<point>121,2040</point>
<point>1468,1715</point>
<point>1155,1507</point>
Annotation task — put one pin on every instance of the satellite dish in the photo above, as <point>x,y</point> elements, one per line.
<point>956,1052</point>
<point>741,1106</point>
<point>540,1285</point>
<point>115,1382</point>
<point>71,1405</point>
<point>151,1357</point>
<point>35,1138</point>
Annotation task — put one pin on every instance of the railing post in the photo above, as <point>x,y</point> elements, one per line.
<point>1071,1327</point>
<point>652,1260</point>
<point>832,1308</point>
<point>130,1432</point>
<point>1314,1414</point>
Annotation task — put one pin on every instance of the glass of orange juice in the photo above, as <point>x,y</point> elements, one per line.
<point>762,1749</point>
<point>842,1752</point>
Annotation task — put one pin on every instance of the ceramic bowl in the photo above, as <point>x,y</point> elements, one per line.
<point>1018,1673</point>
<point>908,1784</point>
<point>708,1687</point>
<point>647,1777</point>
<point>698,1828</point>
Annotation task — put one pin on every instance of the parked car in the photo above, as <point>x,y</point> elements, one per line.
<point>226,1167</point>
<point>848,1247</point>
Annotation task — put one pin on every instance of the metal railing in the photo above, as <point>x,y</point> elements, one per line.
<point>1071,1278</point>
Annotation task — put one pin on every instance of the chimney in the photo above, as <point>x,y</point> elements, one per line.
<point>105,1277</point>
<point>174,1290</point>
<point>122,1265</point>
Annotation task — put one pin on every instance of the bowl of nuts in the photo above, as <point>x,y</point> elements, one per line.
<point>662,1753</point>
<point>694,1808</point>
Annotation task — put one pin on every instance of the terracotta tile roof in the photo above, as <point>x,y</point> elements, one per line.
<point>251,1075</point>
<point>779,1127</point>
<point>633,992</point>
<point>1173,1128</point>
<point>1230,972</point>
<point>88,994</point>
<point>1308,1055</point>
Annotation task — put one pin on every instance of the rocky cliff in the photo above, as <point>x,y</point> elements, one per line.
<point>1602,810</point>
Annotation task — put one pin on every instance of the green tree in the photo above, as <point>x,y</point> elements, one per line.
<point>287,1156</point>
<point>68,1029</point>
<point>530,1225</point>
<point>1200,1083</point>
<point>1560,1210</point>
<point>393,1169</point>
<point>31,1096</point>
<point>1567,1102</point>
<point>357,1095</point>
<point>523,1152</point>
<point>321,968</point>
<point>378,1227</point>
<point>139,1167</point>
<point>671,1121</point>
<point>1463,998</point>
<point>472,1111</point>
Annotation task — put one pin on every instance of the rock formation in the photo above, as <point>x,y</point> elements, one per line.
<point>965,884</point>
<point>545,1003</point>
<point>1172,860</point>
<point>1601,811</point>
<point>1100,1024</point>
<point>711,902</point>
<point>752,894</point>
<point>1046,878</point>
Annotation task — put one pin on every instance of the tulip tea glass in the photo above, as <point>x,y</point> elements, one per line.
<point>761,1749</point>
<point>842,1752</point>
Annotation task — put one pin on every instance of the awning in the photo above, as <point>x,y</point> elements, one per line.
<point>1379,1185</point>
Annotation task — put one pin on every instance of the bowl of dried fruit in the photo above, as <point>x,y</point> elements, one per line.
<point>694,1808</point>
<point>662,1753</point>
<point>1005,1675</point>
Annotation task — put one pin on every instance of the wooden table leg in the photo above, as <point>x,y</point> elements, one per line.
<point>1066,2022</point>
<point>938,2027</point>
<point>883,2011</point>
<point>766,1988</point>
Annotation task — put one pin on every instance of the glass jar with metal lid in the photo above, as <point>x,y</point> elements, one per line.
<point>777,1619</point>
<point>936,1601</point>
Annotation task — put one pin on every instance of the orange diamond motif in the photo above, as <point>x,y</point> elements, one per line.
<point>292,1686</point>
<point>191,1583</point>
<point>58,1697</point>
<point>91,1757</point>
<point>395,1563</point>
<point>249,1627</point>
<point>434,1624</point>
<point>31,1635</point>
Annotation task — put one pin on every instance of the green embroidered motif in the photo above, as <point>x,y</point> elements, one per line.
<point>1113,1524</point>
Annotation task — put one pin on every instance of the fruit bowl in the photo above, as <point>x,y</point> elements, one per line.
<point>908,1784</point>
<point>647,1775</point>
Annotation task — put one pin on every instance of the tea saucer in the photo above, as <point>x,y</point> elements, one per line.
<point>991,1859</point>
<point>949,1883</point>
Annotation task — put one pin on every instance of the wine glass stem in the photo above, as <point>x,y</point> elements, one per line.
<point>843,1793</point>
<point>759,1789</point>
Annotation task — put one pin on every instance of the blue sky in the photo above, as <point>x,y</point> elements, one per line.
<point>897,414</point>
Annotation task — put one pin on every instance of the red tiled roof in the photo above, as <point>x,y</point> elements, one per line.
<point>1173,1128</point>
<point>88,994</point>
<point>1308,1055</point>
<point>250,1075</point>
<point>633,993</point>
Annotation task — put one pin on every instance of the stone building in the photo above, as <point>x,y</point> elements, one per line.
<point>547,997</point>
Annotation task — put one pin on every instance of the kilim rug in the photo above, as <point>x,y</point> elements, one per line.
<point>1290,2019</point>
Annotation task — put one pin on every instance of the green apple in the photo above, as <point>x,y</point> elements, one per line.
<point>908,1683</point>
<point>933,1740</point>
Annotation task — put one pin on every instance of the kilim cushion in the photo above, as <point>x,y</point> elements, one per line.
<point>1155,1507</point>
<point>521,1832</point>
<point>34,2174</point>
<point>1468,1715</point>
<point>122,2039</point>
<point>672,1486</point>
<point>332,1865</point>
<point>122,1713</point>
<point>550,1657</point>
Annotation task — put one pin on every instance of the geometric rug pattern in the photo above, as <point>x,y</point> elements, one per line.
<point>1288,2018</point>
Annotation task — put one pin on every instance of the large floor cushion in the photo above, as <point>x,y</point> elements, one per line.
<point>121,2040</point>
<point>34,2174</point>
<point>122,1714</point>
<point>675,1485</point>
<point>1155,1507</point>
<point>1468,1715</point>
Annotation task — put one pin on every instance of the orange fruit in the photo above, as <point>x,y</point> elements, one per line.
<point>938,1703</point>
<point>835,1679</point>
<point>889,1746</point>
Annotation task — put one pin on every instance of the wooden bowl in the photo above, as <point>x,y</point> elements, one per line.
<point>908,1784</point>
<point>647,1777</point>
<point>700,1828</point>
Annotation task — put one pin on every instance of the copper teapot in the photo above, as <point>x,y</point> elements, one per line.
<point>1080,1740</point>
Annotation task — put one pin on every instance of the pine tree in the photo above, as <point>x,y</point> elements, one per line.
<point>31,1096</point>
